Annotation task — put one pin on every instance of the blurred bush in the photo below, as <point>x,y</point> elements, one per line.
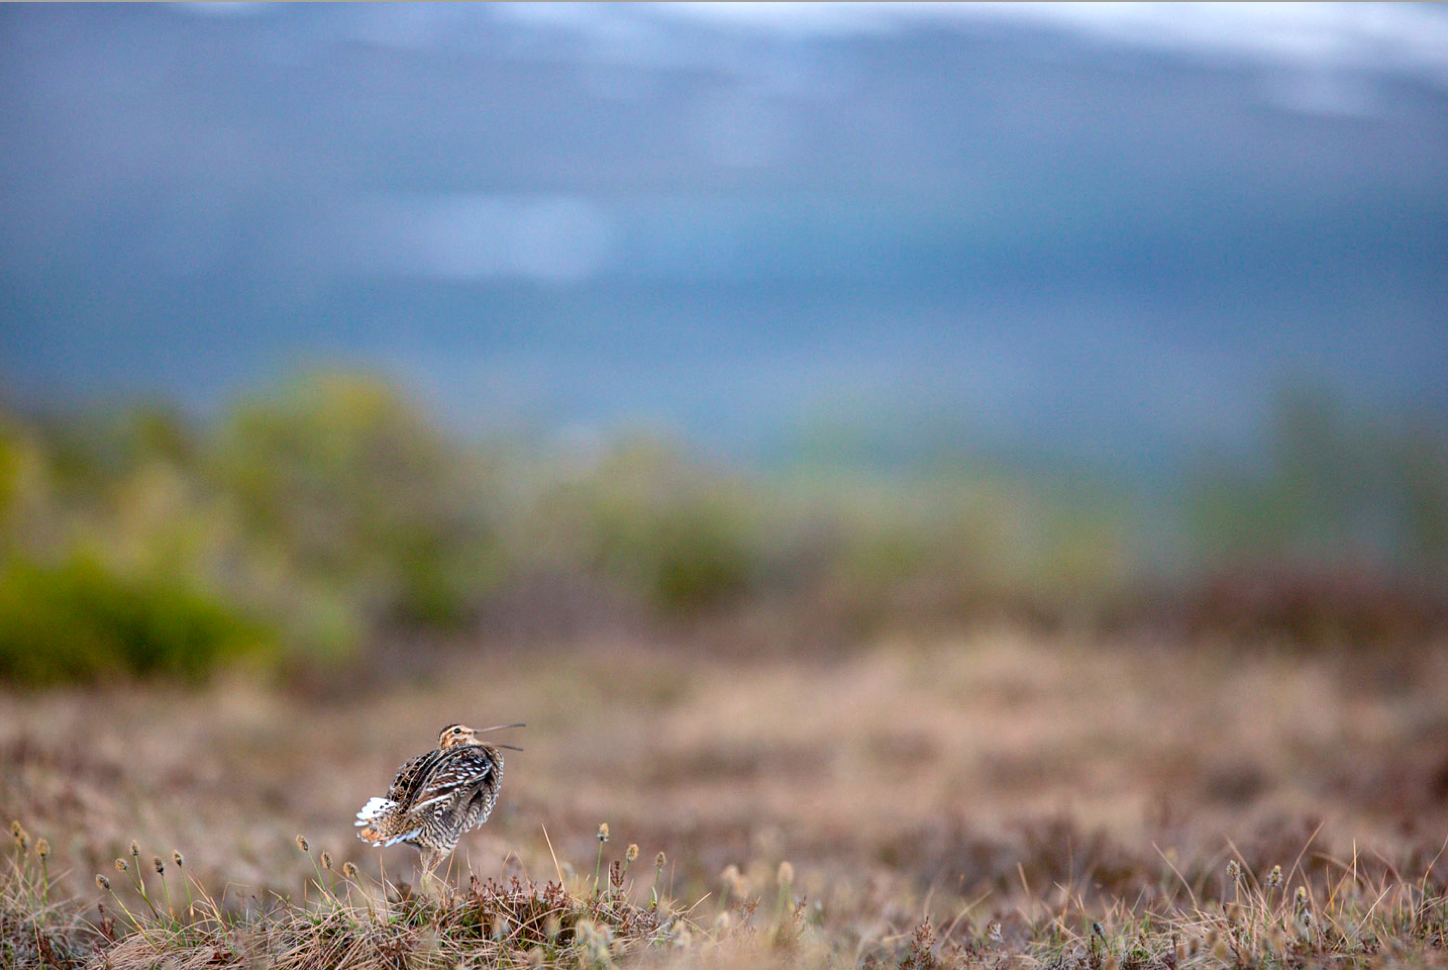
<point>1336,484</point>
<point>81,621</point>
<point>340,476</point>
<point>673,534</point>
<point>330,513</point>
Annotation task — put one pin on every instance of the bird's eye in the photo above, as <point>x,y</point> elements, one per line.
<point>457,730</point>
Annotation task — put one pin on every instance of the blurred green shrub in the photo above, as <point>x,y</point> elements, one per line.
<point>330,512</point>
<point>363,493</point>
<point>80,621</point>
<point>1337,486</point>
<point>674,534</point>
<point>686,555</point>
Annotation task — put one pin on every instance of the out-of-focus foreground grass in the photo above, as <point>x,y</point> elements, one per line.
<point>312,523</point>
<point>1012,788</point>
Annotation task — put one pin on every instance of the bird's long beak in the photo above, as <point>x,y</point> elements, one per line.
<point>510,747</point>
<point>500,727</point>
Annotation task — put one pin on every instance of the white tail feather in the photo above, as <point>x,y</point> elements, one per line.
<point>375,808</point>
<point>402,838</point>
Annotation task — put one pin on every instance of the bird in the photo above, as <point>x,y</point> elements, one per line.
<point>439,795</point>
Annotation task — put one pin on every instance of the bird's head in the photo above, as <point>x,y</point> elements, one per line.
<point>456,734</point>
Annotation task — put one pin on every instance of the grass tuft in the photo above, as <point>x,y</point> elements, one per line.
<point>365,924</point>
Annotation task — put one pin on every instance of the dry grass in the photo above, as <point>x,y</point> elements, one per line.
<point>983,800</point>
<point>344,919</point>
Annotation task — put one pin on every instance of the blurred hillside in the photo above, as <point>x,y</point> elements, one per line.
<point>1110,232</point>
<point>332,514</point>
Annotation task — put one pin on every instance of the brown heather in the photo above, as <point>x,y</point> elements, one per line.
<point>1004,800</point>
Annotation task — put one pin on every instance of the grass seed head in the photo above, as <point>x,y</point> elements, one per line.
<point>121,865</point>
<point>349,870</point>
<point>1234,869</point>
<point>176,858</point>
<point>135,849</point>
<point>785,875</point>
<point>102,882</point>
<point>326,859</point>
<point>22,837</point>
<point>158,865</point>
<point>303,844</point>
<point>42,848</point>
<point>1274,878</point>
<point>603,832</point>
<point>660,860</point>
<point>733,881</point>
<point>632,853</point>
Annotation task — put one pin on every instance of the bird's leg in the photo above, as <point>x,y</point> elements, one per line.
<point>430,860</point>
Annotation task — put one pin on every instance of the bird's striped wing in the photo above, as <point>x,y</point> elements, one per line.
<point>456,775</point>
<point>411,777</point>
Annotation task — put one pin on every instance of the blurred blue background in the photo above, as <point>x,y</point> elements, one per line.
<point>1108,231</point>
<point>1140,247</point>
